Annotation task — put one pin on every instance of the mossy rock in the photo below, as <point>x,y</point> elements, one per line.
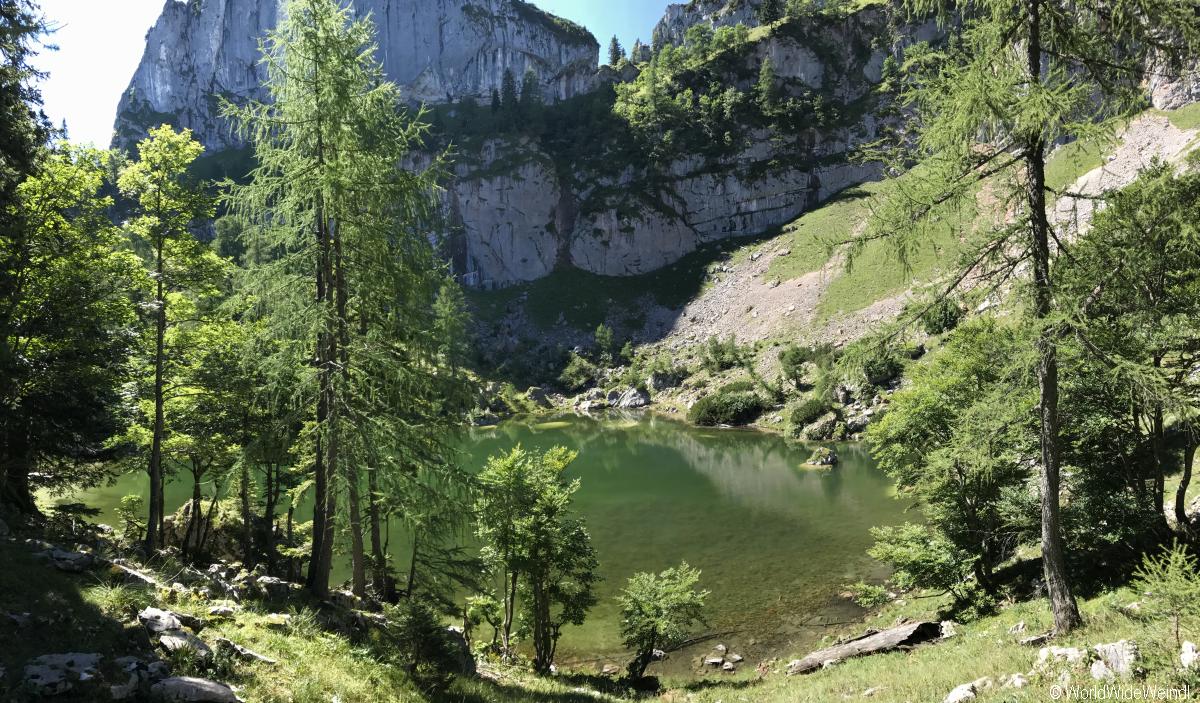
<point>823,456</point>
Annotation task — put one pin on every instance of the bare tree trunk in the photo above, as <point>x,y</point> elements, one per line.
<point>1062,602</point>
<point>1189,455</point>
<point>378,566</point>
<point>247,518</point>
<point>154,522</point>
<point>412,565</point>
<point>357,565</point>
<point>269,516</point>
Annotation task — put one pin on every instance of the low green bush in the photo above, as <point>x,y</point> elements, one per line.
<point>804,412</point>
<point>727,408</point>
<point>578,374</point>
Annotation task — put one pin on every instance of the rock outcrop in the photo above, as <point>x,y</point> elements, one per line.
<point>435,50</point>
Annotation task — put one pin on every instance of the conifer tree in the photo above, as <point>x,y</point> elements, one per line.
<point>349,297</point>
<point>1014,78</point>
<point>616,52</point>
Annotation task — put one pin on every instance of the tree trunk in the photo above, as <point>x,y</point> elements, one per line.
<point>412,566</point>
<point>269,516</point>
<point>378,565</point>
<point>1189,455</point>
<point>191,537</point>
<point>510,604</point>
<point>1062,602</point>
<point>247,519</point>
<point>154,521</point>
<point>357,566</point>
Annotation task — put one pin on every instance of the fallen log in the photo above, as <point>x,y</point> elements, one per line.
<point>902,637</point>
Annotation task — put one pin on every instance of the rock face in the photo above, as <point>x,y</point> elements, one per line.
<point>435,50</point>
<point>680,17</point>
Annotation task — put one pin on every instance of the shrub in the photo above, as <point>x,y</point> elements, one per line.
<point>1172,587</point>
<point>578,374</point>
<point>921,558</point>
<point>604,344</point>
<point>804,412</point>
<point>129,514</point>
<point>722,354</point>
<point>942,316</point>
<point>881,368</point>
<point>736,408</point>
<point>868,595</point>
<point>657,611</point>
<point>422,643</point>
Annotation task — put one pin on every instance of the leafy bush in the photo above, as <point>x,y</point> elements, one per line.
<point>921,558</point>
<point>578,374</point>
<point>794,360</point>
<point>805,411</point>
<point>868,595</point>
<point>723,408</point>
<point>942,316</point>
<point>657,611</point>
<point>604,344</point>
<point>129,515</point>
<point>881,368</point>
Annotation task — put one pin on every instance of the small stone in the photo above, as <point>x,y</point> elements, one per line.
<point>1188,655</point>
<point>714,661</point>
<point>1035,640</point>
<point>1119,658</point>
<point>610,670</point>
<point>1015,681</point>
<point>278,621</point>
<point>870,692</point>
<point>720,649</point>
<point>728,666</point>
<point>736,658</point>
<point>222,611</point>
<point>1017,629</point>
<point>241,652</point>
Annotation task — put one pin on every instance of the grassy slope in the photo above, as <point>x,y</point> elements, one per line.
<point>982,648</point>
<point>84,613</point>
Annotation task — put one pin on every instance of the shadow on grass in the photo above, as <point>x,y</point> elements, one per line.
<point>45,611</point>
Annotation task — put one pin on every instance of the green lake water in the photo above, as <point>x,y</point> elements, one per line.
<point>777,542</point>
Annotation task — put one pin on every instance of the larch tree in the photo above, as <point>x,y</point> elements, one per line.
<point>168,203</point>
<point>348,295</point>
<point>1011,79</point>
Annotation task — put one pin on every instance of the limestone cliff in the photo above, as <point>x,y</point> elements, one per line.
<point>435,50</point>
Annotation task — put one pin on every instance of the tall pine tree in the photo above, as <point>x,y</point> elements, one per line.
<point>350,296</point>
<point>1014,78</point>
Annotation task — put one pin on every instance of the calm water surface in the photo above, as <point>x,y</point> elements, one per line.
<point>776,541</point>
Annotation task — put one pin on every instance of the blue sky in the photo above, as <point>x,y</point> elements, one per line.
<point>100,43</point>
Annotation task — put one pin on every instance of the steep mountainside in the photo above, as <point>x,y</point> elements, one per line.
<point>436,50</point>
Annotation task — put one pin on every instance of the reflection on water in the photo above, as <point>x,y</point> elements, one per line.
<point>776,541</point>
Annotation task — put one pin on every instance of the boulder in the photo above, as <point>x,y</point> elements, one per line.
<point>736,658</point>
<point>1048,656</point>
<point>66,560</point>
<point>186,689</point>
<point>661,380</point>
<point>965,692</point>
<point>633,398</point>
<point>1017,629</point>
<point>158,621</point>
<point>948,630</point>
<point>1118,658</point>
<point>823,456</point>
<point>275,587</point>
<point>825,428</point>
<point>278,621</point>
<point>182,640</point>
<point>53,674</point>
<point>1035,640</point>
<point>538,396</point>
<point>222,611</point>
<point>1014,681</point>
<point>236,650</point>
<point>720,649</point>
<point>714,661</point>
<point>729,666</point>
